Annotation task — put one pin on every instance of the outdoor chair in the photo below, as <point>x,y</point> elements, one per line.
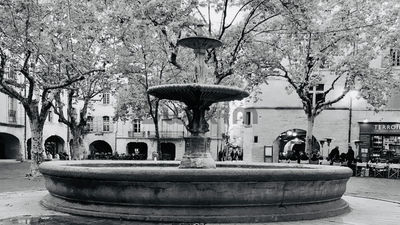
<point>361,169</point>
<point>380,169</point>
<point>394,171</point>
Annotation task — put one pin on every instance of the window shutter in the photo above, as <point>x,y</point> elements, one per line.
<point>111,124</point>
<point>386,58</point>
<point>98,124</point>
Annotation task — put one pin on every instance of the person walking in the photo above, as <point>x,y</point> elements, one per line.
<point>350,158</point>
<point>334,155</point>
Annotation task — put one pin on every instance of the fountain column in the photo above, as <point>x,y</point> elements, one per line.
<point>197,145</point>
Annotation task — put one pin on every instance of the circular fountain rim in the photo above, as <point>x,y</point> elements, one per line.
<point>168,171</point>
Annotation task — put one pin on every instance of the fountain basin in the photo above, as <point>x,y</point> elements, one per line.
<point>159,191</point>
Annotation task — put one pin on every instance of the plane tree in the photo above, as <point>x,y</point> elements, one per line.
<point>142,55</point>
<point>28,43</point>
<point>87,43</point>
<point>324,42</point>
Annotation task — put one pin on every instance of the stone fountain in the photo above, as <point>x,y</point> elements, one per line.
<point>196,190</point>
<point>198,97</point>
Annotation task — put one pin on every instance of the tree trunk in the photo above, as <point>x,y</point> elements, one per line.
<point>155,117</point>
<point>37,147</point>
<point>158,144</point>
<point>78,150</point>
<point>309,142</point>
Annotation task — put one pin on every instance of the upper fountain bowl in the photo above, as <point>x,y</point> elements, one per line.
<point>195,93</point>
<point>199,42</point>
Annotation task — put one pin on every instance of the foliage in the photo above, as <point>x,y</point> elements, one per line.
<point>329,42</point>
<point>35,40</point>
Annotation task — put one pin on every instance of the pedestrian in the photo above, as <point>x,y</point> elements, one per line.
<point>220,155</point>
<point>298,156</point>
<point>241,155</point>
<point>236,155</point>
<point>154,155</point>
<point>334,155</point>
<point>350,157</point>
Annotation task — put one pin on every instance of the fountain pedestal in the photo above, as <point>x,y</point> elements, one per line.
<point>197,153</point>
<point>197,98</point>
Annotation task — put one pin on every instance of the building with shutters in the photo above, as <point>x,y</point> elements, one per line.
<point>275,126</point>
<point>104,135</point>
<point>15,136</point>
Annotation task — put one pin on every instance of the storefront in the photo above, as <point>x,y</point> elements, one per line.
<point>379,141</point>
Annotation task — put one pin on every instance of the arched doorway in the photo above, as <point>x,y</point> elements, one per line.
<point>137,149</point>
<point>9,146</point>
<point>54,145</point>
<point>168,151</point>
<point>291,144</point>
<point>100,150</point>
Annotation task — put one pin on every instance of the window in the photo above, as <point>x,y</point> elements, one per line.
<point>136,126</point>
<point>106,98</point>
<point>248,118</point>
<point>89,123</point>
<point>50,116</point>
<point>12,110</point>
<point>106,123</point>
<point>255,139</point>
<point>316,93</point>
<point>12,73</point>
<point>395,57</point>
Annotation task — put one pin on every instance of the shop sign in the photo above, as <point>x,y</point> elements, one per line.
<point>380,128</point>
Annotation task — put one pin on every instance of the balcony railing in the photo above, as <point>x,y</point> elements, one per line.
<point>12,116</point>
<point>152,134</point>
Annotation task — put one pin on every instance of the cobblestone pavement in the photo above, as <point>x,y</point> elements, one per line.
<point>375,188</point>
<point>12,177</point>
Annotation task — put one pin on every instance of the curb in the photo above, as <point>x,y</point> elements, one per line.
<point>373,198</point>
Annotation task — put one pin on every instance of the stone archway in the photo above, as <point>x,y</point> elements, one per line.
<point>9,146</point>
<point>237,115</point>
<point>137,149</point>
<point>168,151</point>
<point>54,145</point>
<point>100,150</point>
<point>291,144</point>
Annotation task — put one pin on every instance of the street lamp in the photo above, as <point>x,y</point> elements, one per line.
<point>352,94</point>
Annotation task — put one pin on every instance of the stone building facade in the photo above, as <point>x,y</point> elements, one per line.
<point>276,122</point>
<point>104,135</point>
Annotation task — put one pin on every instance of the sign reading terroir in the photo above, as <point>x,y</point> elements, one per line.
<point>380,128</point>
